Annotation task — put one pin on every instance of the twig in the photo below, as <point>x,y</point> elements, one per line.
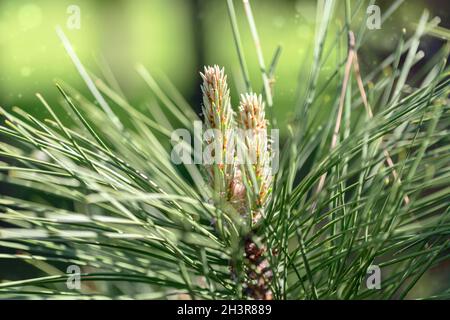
<point>352,59</point>
<point>348,65</point>
<point>389,160</point>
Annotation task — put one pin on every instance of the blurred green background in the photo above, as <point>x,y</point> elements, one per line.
<point>176,38</point>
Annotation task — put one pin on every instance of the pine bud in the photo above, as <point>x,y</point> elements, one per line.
<point>252,121</point>
<point>219,116</point>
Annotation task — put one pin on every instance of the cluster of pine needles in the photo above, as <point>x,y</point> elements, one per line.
<point>367,185</point>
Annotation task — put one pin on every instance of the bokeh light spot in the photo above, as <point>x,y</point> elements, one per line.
<point>30,16</point>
